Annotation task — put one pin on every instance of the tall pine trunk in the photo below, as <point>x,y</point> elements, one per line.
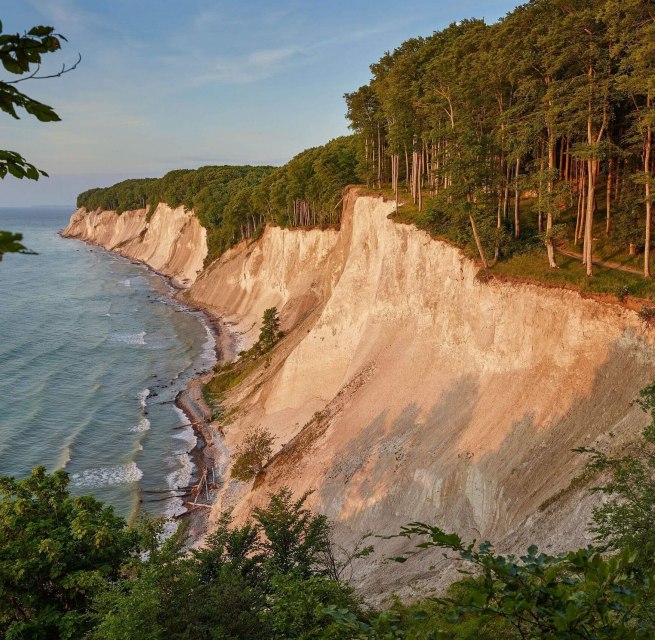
<point>587,248</point>
<point>608,199</point>
<point>517,221</point>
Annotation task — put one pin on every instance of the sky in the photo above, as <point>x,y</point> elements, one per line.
<point>166,84</point>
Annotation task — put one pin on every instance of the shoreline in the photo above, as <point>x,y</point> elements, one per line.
<point>204,454</point>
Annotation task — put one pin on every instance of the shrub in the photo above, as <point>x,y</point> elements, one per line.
<point>647,315</point>
<point>252,454</point>
<point>270,332</point>
<point>622,293</point>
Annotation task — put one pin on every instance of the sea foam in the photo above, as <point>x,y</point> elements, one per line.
<point>107,476</point>
<point>144,425</point>
<point>128,338</point>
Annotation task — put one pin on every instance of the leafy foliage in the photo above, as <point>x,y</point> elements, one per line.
<point>252,454</point>
<point>56,553</point>
<point>11,243</point>
<point>580,594</point>
<point>256,581</point>
<point>18,53</point>
<point>234,203</point>
<point>492,123</point>
<point>626,520</point>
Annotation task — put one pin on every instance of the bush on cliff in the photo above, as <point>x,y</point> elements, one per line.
<point>252,454</point>
<point>270,332</point>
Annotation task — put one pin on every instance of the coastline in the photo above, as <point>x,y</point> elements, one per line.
<point>207,455</point>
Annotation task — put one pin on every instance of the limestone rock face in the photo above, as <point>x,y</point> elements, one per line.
<point>172,242</point>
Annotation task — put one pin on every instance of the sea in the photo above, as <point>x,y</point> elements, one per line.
<point>93,351</point>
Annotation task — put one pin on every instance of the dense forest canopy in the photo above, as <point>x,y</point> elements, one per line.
<point>235,202</point>
<point>555,101</point>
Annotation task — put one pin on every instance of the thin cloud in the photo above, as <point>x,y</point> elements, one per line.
<point>65,15</point>
<point>252,67</point>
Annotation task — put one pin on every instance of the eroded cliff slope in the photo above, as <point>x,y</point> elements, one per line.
<point>405,388</point>
<point>172,241</point>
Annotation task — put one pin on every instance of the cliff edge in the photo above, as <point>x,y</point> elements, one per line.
<point>407,389</point>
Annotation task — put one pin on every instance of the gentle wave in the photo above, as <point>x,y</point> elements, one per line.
<point>141,396</point>
<point>128,338</point>
<point>81,345</point>
<point>144,425</point>
<point>181,477</point>
<point>107,476</point>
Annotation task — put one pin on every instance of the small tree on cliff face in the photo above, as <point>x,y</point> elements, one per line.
<point>270,332</point>
<point>252,454</point>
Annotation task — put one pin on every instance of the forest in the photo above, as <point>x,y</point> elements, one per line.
<point>234,203</point>
<point>530,137</point>
<point>539,125</point>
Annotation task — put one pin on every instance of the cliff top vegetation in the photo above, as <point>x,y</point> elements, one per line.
<point>531,134</point>
<point>235,202</point>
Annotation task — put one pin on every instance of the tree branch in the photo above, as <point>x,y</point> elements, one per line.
<point>34,76</point>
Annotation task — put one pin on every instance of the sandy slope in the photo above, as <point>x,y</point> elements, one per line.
<point>443,399</point>
<point>406,389</point>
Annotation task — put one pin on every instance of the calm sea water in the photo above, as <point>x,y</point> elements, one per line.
<point>92,352</point>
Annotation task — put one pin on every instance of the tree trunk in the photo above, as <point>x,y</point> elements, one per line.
<point>517,222</point>
<point>587,248</point>
<point>550,247</point>
<point>406,167</point>
<point>379,157</point>
<point>419,185</point>
<point>478,243</point>
<point>608,205</point>
<point>649,136</point>
<point>579,223</point>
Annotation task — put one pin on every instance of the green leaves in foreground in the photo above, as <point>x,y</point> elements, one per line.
<point>11,243</point>
<point>579,594</point>
<point>56,552</point>
<point>14,164</point>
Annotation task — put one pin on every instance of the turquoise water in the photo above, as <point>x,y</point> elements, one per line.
<point>92,352</point>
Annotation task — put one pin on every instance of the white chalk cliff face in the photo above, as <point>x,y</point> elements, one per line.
<point>406,389</point>
<point>172,242</point>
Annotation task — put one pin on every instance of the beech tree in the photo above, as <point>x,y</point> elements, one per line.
<point>552,104</point>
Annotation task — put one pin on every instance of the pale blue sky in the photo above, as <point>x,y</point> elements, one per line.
<point>167,84</point>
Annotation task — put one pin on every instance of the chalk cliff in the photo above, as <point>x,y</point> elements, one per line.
<point>172,241</point>
<point>407,389</point>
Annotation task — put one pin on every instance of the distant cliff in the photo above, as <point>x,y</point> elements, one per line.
<point>405,388</point>
<point>172,242</point>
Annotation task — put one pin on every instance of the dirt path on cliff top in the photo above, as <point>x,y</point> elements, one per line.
<point>600,263</point>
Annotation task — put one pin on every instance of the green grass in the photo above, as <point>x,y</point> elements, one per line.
<point>571,273</point>
<point>227,377</point>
